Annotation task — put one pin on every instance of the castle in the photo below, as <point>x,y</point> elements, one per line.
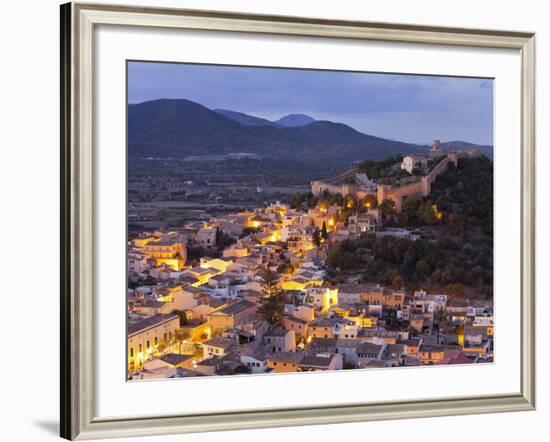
<point>353,182</point>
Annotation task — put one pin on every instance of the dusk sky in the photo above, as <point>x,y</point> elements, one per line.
<point>400,107</point>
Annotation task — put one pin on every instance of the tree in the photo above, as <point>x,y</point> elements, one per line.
<point>223,240</point>
<point>180,336</point>
<point>387,207</point>
<point>427,212</point>
<point>455,289</point>
<point>269,283</point>
<point>287,269</point>
<point>272,309</point>
<point>370,202</point>
<point>183,317</point>
<point>162,346</point>
<point>316,237</point>
<point>324,232</point>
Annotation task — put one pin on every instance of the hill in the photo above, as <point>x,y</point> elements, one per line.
<point>179,128</point>
<point>294,120</point>
<point>247,120</point>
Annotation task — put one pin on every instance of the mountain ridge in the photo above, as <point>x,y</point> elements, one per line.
<point>180,128</point>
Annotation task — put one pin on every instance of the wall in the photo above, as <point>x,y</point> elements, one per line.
<point>29,183</point>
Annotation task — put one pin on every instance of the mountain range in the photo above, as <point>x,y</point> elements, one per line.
<point>179,128</point>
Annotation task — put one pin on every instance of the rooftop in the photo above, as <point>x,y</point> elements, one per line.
<point>153,321</point>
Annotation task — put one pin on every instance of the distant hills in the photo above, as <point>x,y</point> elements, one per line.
<point>295,120</point>
<point>179,128</point>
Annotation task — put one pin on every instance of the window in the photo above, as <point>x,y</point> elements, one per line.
<point>131,352</point>
<point>156,341</point>
<point>140,348</point>
<point>148,344</point>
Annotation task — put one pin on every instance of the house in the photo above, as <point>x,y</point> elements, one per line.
<point>394,355</point>
<point>284,362</point>
<point>256,363</point>
<point>216,347</point>
<point>322,297</point>
<point>364,222</point>
<point>411,346</point>
<point>303,311</point>
<point>430,354</point>
<point>206,236</point>
<point>235,252</point>
<point>367,352</point>
<point>208,367</point>
<point>321,362</point>
<point>169,249</point>
<point>298,325</point>
<point>412,162</point>
<point>201,275</point>
<point>388,298</point>
<point>347,347</point>
<point>231,315</point>
<point>138,262</point>
<point>279,340</point>
<point>182,298</point>
<point>417,322</point>
<point>426,303</point>
<point>219,264</point>
<point>145,335</point>
<point>351,293</point>
<point>298,282</point>
<point>177,360</point>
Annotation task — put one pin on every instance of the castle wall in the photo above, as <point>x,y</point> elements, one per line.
<point>422,188</point>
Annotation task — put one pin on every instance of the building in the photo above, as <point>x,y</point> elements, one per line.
<point>322,297</point>
<point>279,340</point>
<point>216,347</point>
<point>431,354</point>
<point>435,150</point>
<point>364,222</point>
<point>298,325</point>
<point>170,249</point>
<point>367,352</point>
<point>206,236</point>
<point>285,362</point>
<point>231,316</point>
<point>145,335</point>
<point>414,162</point>
<point>321,362</point>
<point>388,298</point>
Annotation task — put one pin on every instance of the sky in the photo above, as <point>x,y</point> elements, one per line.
<point>409,108</point>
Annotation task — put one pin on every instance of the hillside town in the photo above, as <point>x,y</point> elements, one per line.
<point>266,290</point>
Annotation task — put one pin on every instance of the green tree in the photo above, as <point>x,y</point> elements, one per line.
<point>269,283</point>
<point>324,232</point>
<point>387,207</point>
<point>180,336</point>
<point>370,202</point>
<point>183,317</point>
<point>316,237</point>
<point>272,309</point>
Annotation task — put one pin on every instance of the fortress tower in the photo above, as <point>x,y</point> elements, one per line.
<point>436,151</point>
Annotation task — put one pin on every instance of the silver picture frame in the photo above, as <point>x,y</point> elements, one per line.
<point>78,21</point>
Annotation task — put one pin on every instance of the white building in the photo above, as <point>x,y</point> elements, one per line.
<point>322,297</point>
<point>411,162</point>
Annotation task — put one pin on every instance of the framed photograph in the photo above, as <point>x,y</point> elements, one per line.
<point>275,221</point>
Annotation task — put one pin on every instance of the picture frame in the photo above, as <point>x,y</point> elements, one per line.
<point>78,24</point>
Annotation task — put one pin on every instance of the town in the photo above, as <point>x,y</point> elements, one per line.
<point>303,285</point>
